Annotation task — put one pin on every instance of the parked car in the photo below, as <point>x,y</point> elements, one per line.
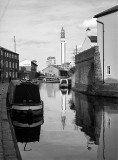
<point>23,97</point>
<point>65,83</point>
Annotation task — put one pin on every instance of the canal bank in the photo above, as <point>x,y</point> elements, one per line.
<point>104,90</point>
<point>8,144</point>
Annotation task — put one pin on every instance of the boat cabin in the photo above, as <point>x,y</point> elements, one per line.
<point>23,95</point>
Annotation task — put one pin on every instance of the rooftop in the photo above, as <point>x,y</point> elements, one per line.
<point>106,12</point>
<point>93,39</point>
<point>7,50</point>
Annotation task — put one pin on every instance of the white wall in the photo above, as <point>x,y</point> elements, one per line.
<point>110,45</point>
<point>86,44</point>
<point>26,64</point>
<point>51,70</point>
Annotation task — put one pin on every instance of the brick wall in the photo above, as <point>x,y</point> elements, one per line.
<point>88,69</point>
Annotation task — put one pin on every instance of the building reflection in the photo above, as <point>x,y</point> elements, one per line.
<point>109,131</point>
<point>51,88</point>
<point>98,119</point>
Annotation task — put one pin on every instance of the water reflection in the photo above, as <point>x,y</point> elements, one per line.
<point>76,127</point>
<point>64,92</point>
<point>98,119</point>
<point>51,88</point>
<point>27,128</point>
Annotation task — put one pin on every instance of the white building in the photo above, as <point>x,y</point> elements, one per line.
<point>51,61</point>
<point>89,41</point>
<point>63,46</point>
<point>107,33</point>
<point>26,63</point>
<point>55,71</point>
<point>27,69</point>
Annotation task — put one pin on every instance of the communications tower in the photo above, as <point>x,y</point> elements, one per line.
<point>62,46</point>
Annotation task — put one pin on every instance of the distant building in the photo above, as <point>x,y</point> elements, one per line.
<point>66,66</point>
<point>63,46</point>
<point>51,61</point>
<point>90,41</point>
<point>9,64</point>
<point>107,32</point>
<point>27,69</point>
<point>55,71</point>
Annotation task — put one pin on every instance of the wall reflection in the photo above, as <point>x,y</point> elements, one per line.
<point>97,117</point>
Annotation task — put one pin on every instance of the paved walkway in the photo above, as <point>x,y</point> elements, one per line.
<point>8,144</point>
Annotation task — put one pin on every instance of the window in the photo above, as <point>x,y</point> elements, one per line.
<point>9,55</point>
<point>1,52</point>
<point>13,65</point>
<point>9,64</point>
<point>10,74</point>
<point>5,54</point>
<point>108,70</point>
<point>6,74</point>
<point>12,55</point>
<point>6,65</point>
<point>16,74</point>
<point>15,56</point>
<point>13,75</point>
<point>1,63</point>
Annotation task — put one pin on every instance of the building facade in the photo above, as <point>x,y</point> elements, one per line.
<point>51,61</point>
<point>55,71</point>
<point>107,33</point>
<point>27,69</point>
<point>63,46</point>
<point>9,64</point>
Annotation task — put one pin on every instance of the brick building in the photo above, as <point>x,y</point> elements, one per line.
<point>9,64</point>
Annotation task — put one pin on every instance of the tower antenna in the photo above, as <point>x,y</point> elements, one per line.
<point>14,44</point>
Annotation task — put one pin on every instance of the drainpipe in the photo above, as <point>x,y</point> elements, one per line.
<point>103,47</point>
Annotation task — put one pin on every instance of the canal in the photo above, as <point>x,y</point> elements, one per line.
<point>73,127</point>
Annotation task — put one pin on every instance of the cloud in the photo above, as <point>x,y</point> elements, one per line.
<point>91,23</point>
<point>31,42</point>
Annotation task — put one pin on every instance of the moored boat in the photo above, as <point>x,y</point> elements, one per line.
<point>65,83</point>
<point>23,97</point>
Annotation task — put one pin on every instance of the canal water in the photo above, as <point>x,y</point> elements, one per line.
<point>73,127</point>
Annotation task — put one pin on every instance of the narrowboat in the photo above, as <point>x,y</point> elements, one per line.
<point>23,97</point>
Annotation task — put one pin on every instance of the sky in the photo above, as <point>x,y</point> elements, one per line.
<point>36,25</point>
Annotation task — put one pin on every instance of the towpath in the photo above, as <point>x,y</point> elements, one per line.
<point>8,144</point>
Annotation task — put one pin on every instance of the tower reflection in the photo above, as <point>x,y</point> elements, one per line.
<point>64,93</point>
